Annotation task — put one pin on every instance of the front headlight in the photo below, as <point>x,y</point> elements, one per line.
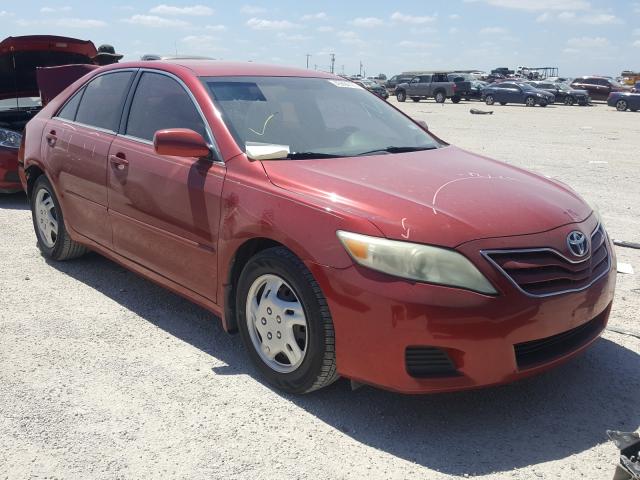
<point>539,94</point>
<point>413,261</point>
<point>9,138</point>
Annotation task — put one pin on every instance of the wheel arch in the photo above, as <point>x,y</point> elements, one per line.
<point>32,173</point>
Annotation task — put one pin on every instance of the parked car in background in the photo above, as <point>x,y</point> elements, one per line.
<point>432,85</point>
<point>476,89</point>
<point>513,92</point>
<point>599,88</point>
<point>19,92</point>
<point>373,87</point>
<point>264,194</point>
<point>636,88</point>
<point>393,82</point>
<point>463,84</point>
<point>624,101</point>
<point>563,93</point>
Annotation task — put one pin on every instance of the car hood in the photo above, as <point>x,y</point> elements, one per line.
<point>444,197</point>
<point>20,56</point>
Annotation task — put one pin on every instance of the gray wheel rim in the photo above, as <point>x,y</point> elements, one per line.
<point>46,218</point>
<point>277,323</point>
<point>622,105</point>
<point>531,102</point>
<point>489,100</point>
<point>439,97</point>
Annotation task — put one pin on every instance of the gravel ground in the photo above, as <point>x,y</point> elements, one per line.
<point>105,375</point>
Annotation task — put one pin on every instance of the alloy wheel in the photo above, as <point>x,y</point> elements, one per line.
<point>277,323</point>
<point>531,102</point>
<point>46,218</point>
<point>621,106</point>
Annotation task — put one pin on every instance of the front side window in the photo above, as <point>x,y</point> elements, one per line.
<point>159,103</point>
<point>312,115</point>
<point>101,104</point>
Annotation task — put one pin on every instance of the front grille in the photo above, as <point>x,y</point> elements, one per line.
<point>543,272</point>
<point>429,362</point>
<point>538,352</point>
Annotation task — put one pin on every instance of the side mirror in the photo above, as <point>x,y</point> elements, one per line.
<point>180,142</point>
<point>423,124</point>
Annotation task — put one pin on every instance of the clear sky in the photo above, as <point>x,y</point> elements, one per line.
<point>579,36</point>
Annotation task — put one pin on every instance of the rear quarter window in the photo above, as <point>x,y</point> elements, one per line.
<point>68,112</point>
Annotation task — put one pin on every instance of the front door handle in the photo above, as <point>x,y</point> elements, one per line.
<point>51,138</point>
<point>119,161</point>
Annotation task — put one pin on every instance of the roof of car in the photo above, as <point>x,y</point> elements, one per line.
<point>214,68</point>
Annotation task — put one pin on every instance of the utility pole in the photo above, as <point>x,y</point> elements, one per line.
<point>315,66</point>
<point>308,55</point>
<point>342,69</point>
<point>333,62</point>
<point>360,67</point>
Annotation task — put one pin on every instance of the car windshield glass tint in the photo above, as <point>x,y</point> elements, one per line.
<point>328,117</point>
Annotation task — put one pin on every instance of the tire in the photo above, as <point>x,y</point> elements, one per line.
<point>53,240</point>
<point>530,101</point>
<point>467,99</point>
<point>440,96</point>
<point>401,95</point>
<point>455,99</point>
<point>543,103</point>
<point>489,100</point>
<point>621,105</point>
<point>633,109</point>
<point>312,365</point>
<point>503,103</point>
<point>569,100</point>
<point>415,99</point>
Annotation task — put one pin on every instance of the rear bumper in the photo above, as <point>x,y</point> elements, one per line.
<point>376,317</point>
<point>9,178</point>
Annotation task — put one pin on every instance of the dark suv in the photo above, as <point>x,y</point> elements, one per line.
<point>599,88</point>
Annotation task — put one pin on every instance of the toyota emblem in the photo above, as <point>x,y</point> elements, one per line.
<point>577,243</point>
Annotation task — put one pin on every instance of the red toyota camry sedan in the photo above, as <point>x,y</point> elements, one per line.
<point>336,234</point>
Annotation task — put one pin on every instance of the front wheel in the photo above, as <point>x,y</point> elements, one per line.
<point>401,96</point>
<point>503,103</point>
<point>489,100</point>
<point>455,99</point>
<point>569,100</point>
<point>621,105</point>
<point>53,240</point>
<point>440,97</point>
<point>285,322</point>
<point>415,99</point>
<point>530,102</point>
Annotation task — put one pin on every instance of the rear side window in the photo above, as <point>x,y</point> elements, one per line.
<point>68,112</point>
<point>160,102</point>
<point>101,104</point>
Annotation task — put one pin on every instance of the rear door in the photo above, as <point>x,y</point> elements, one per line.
<point>165,210</point>
<point>77,147</point>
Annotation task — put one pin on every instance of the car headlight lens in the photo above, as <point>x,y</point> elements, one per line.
<point>539,94</point>
<point>423,263</point>
<point>9,138</point>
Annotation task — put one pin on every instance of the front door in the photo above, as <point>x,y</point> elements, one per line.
<point>165,210</point>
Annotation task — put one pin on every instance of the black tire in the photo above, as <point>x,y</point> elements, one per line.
<point>440,96</point>
<point>530,101</point>
<point>467,99</point>
<point>401,95</point>
<point>63,247</point>
<point>503,103</point>
<point>455,99</point>
<point>318,368</point>
<point>621,105</point>
<point>415,99</point>
<point>543,103</point>
<point>489,100</point>
<point>633,109</point>
<point>569,100</point>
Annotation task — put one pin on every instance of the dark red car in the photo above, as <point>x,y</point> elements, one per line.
<point>334,232</point>
<point>599,88</point>
<point>19,92</point>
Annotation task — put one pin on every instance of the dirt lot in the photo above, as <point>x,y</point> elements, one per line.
<point>105,375</point>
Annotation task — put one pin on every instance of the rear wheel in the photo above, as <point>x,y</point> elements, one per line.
<point>621,105</point>
<point>53,240</point>
<point>415,99</point>
<point>401,95</point>
<point>440,97</point>
<point>530,101</point>
<point>285,322</point>
<point>569,100</point>
<point>489,100</point>
<point>503,103</point>
<point>455,99</point>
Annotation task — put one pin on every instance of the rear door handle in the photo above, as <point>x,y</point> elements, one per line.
<point>119,161</point>
<point>51,138</point>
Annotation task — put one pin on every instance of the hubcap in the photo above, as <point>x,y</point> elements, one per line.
<point>277,323</point>
<point>530,101</point>
<point>622,105</point>
<point>46,218</point>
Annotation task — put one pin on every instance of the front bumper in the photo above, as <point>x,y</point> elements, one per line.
<point>376,317</point>
<point>9,179</point>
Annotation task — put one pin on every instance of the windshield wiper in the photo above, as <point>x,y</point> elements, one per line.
<point>398,150</point>
<point>311,155</point>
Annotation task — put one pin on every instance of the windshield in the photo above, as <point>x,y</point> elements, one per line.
<point>14,103</point>
<point>526,86</point>
<point>312,116</point>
